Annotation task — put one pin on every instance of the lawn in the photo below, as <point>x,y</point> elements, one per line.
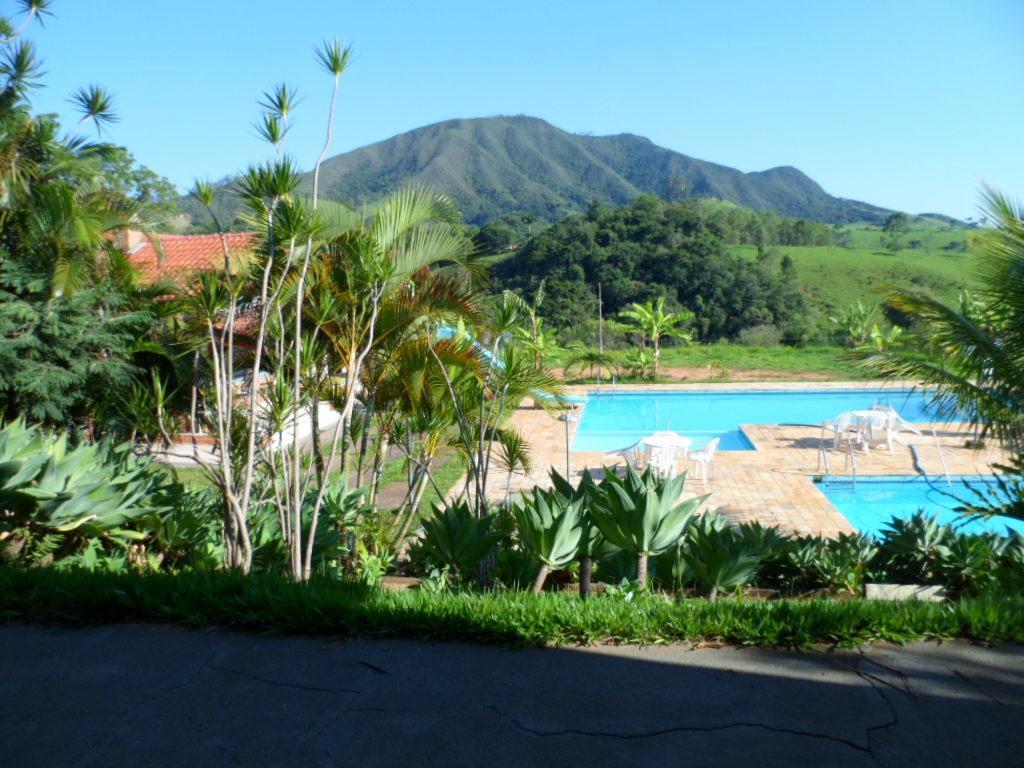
<point>724,361</point>
<point>345,609</point>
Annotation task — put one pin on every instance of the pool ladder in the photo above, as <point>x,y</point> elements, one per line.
<point>851,460</point>
<point>942,457</point>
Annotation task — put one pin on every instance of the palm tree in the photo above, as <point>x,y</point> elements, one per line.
<point>980,377</point>
<point>652,323</point>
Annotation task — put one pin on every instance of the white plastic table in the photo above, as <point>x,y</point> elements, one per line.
<point>667,440</point>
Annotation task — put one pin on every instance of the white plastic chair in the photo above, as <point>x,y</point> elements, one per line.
<point>893,427</point>
<point>663,462</point>
<point>635,455</point>
<point>839,427</point>
<point>705,459</point>
<point>876,430</point>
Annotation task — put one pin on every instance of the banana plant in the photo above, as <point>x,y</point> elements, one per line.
<point>453,536</point>
<point>549,528</point>
<point>642,514</point>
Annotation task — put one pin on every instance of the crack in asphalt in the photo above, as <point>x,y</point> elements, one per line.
<point>898,672</point>
<point>282,683</point>
<point>977,686</point>
<point>683,729</point>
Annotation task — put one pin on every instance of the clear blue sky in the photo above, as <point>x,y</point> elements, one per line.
<point>904,103</point>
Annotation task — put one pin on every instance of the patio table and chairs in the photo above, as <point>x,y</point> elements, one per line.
<point>877,426</point>
<point>660,451</point>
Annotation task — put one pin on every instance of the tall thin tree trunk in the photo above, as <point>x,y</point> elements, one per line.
<point>641,569</point>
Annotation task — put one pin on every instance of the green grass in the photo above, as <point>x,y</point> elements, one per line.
<point>829,361</point>
<point>195,477</point>
<point>273,604</point>
<point>833,277</point>
<point>445,477</point>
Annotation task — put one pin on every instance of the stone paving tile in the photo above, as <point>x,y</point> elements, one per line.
<point>773,484</point>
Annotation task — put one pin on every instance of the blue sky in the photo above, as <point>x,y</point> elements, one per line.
<point>909,104</point>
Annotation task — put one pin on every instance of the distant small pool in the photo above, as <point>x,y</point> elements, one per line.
<point>873,501</point>
<point>612,421</point>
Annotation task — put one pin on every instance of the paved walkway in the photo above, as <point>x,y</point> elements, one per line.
<point>773,484</point>
<point>158,696</point>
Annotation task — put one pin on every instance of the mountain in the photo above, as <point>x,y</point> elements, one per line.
<point>496,165</point>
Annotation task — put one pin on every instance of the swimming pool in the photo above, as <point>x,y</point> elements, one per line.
<point>616,420</point>
<point>873,501</point>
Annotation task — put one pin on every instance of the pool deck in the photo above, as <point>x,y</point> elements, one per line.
<point>773,484</point>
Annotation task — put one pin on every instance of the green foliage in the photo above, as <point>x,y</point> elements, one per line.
<point>62,501</point>
<point>842,563</point>
<point>717,558</point>
<point>67,321</point>
<point>643,251</point>
<point>855,323</point>
<point>641,514</point>
<point>550,526</point>
<point>453,536</point>
<point>269,603</point>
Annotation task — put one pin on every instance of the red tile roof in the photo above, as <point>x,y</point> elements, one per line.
<point>186,254</point>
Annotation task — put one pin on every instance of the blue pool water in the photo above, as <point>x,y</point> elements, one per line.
<point>614,421</point>
<point>876,500</point>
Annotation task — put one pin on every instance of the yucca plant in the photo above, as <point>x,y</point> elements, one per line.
<point>642,514</point>
<point>549,528</point>
<point>453,536</point>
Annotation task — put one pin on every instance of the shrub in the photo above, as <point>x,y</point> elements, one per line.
<point>765,335</point>
<point>453,536</point>
<point>77,503</point>
<point>549,528</point>
<point>642,514</point>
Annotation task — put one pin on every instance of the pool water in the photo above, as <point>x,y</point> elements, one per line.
<point>873,501</point>
<point>612,421</point>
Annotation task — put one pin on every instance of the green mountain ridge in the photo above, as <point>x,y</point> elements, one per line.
<point>496,165</point>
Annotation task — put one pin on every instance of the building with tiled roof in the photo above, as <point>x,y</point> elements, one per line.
<point>183,255</point>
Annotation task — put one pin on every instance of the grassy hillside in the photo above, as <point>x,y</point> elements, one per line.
<point>837,277</point>
<point>496,165</point>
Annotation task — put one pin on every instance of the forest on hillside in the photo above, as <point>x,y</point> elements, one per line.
<point>649,249</point>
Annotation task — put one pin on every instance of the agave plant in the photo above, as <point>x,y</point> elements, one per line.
<point>642,514</point>
<point>593,544</point>
<point>719,559</point>
<point>842,562</point>
<point>453,536</point>
<point>969,563</point>
<point>549,528</point>
<point>59,497</point>
<point>911,547</point>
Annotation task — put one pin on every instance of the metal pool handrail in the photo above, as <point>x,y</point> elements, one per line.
<point>942,457</point>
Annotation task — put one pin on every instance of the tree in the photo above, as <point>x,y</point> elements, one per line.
<point>981,374</point>
<point>895,229</point>
<point>642,251</point>
<point>67,327</point>
<point>653,324</point>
